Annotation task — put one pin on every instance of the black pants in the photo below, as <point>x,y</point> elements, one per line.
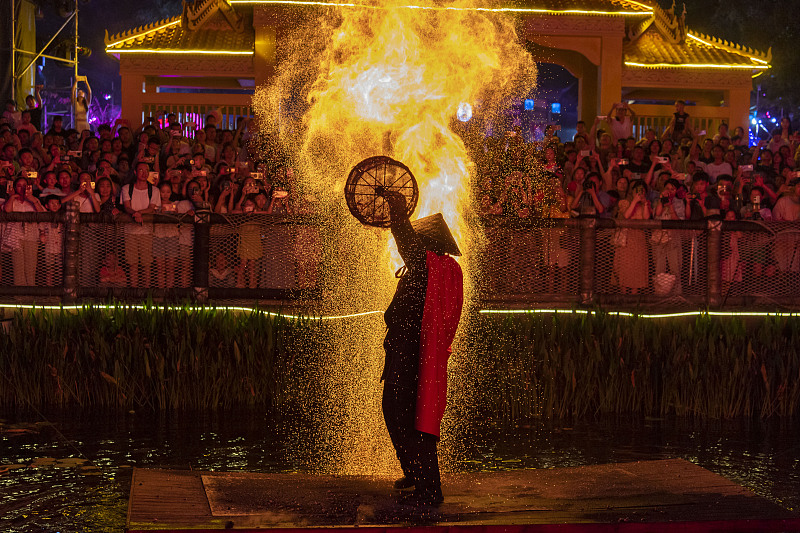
<point>415,450</point>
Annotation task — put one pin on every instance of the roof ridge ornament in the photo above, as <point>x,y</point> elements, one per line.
<point>198,12</point>
<point>671,26</point>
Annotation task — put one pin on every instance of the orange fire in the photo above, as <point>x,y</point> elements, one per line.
<point>387,80</point>
<point>391,82</point>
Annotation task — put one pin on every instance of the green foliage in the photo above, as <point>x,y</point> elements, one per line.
<point>153,357</point>
<point>513,368</point>
<point>573,366</point>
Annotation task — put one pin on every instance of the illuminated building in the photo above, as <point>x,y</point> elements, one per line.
<point>618,50</point>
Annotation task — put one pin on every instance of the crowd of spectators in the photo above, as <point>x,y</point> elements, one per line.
<point>123,172</point>
<point>679,173</point>
<point>164,166</point>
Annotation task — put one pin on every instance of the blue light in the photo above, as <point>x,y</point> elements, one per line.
<point>555,107</point>
<point>774,120</point>
<point>753,121</point>
<point>529,105</point>
<point>464,112</point>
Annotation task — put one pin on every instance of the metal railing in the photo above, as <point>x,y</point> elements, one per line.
<point>641,264</point>
<point>206,257</point>
<point>70,256</point>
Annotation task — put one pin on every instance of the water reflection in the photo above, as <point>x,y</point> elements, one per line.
<point>92,495</point>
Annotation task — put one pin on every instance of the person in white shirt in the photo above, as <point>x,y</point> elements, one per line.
<point>718,166</point>
<point>619,122</point>
<point>140,198</point>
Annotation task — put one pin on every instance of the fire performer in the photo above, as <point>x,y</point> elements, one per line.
<point>421,324</point>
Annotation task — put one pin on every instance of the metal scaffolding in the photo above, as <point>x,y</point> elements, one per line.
<point>14,50</point>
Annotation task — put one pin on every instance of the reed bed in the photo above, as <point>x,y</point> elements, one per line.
<point>513,368</point>
<point>577,366</point>
<point>153,357</point>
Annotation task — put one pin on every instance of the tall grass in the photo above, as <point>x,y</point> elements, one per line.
<point>513,368</point>
<point>573,366</point>
<point>154,357</point>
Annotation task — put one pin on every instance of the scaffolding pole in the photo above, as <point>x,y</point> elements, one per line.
<point>14,50</point>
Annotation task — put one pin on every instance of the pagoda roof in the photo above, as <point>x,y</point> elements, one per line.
<point>663,41</point>
<point>656,38</point>
<point>170,36</point>
<point>655,50</point>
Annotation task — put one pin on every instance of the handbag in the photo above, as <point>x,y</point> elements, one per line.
<point>620,237</point>
<point>660,236</point>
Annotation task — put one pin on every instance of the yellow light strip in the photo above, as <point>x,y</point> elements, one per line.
<point>140,307</point>
<point>168,24</point>
<point>159,51</point>
<point>696,65</point>
<point>451,8</point>
<point>648,316</point>
<point>696,38</point>
<point>683,314</point>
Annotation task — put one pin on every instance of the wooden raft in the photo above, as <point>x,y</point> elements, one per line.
<point>652,496</point>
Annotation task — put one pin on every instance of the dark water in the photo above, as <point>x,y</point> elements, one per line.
<point>68,496</point>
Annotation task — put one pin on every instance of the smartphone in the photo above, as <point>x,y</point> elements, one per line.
<point>796,174</point>
<point>586,153</point>
<point>702,133</point>
<point>9,187</point>
<point>28,190</point>
<point>746,168</point>
<point>258,176</point>
<point>623,162</point>
<point>662,160</point>
<point>75,153</point>
<point>681,177</point>
<point>32,174</point>
<point>152,177</point>
<point>92,184</point>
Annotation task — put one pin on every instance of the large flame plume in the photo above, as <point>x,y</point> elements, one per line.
<point>389,79</point>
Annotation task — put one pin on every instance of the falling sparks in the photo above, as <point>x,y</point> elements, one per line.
<point>361,82</point>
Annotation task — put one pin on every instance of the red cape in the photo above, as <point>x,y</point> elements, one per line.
<point>443,301</point>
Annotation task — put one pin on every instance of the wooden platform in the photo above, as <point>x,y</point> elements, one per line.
<point>652,496</point>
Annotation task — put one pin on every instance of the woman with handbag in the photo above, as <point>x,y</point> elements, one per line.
<point>630,252</point>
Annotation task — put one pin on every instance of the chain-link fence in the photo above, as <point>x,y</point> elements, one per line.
<point>619,264</point>
<point>641,264</point>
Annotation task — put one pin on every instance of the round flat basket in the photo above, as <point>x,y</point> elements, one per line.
<point>370,180</point>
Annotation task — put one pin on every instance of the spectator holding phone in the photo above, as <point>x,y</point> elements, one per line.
<point>23,237</point>
<point>619,121</point>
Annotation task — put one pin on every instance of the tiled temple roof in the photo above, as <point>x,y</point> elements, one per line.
<point>653,49</point>
<point>170,35</point>
<point>656,38</point>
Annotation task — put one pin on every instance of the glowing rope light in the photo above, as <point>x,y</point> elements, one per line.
<point>682,314</point>
<point>160,51</point>
<point>141,307</point>
<point>647,10</point>
<point>695,65</point>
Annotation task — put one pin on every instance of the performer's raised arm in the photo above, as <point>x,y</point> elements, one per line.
<point>409,244</point>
